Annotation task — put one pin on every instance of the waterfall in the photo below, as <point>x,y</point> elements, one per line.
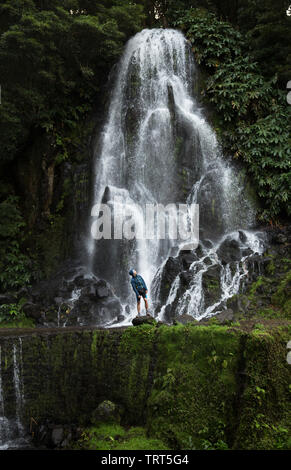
<point>18,383</point>
<point>12,432</point>
<point>157,147</point>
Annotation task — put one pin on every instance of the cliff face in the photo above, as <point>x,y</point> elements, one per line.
<point>193,386</point>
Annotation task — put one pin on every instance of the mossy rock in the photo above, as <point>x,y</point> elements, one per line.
<point>106,412</point>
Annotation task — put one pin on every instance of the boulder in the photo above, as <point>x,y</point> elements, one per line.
<point>184,319</point>
<point>187,258</point>
<point>242,236</point>
<point>81,281</point>
<point>226,316</point>
<point>238,303</point>
<point>57,436</point>
<point>229,251</point>
<point>102,290</point>
<point>199,252</point>
<point>207,243</point>
<point>89,291</point>
<point>106,412</point>
<point>141,320</point>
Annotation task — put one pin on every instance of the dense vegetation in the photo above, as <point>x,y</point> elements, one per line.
<point>253,118</point>
<point>55,58</point>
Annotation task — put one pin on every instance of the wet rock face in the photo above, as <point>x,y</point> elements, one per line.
<point>48,435</point>
<point>187,258</point>
<point>72,299</point>
<point>229,251</point>
<point>170,271</point>
<point>210,274</point>
<point>211,285</point>
<point>266,289</point>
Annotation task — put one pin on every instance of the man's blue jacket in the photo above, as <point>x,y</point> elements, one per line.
<point>137,283</point>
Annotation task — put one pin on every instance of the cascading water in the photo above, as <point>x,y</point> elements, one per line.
<point>12,433</point>
<point>156,147</point>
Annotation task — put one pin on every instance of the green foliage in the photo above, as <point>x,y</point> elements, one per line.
<point>253,117</point>
<point>10,313</point>
<point>268,30</point>
<point>71,49</point>
<point>263,23</point>
<point>14,264</point>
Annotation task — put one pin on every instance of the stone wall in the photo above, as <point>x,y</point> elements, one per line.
<point>190,384</point>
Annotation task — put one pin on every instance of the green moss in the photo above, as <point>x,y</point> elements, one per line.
<point>22,322</point>
<point>271,268</point>
<point>183,387</point>
<point>94,343</point>
<point>255,285</point>
<point>115,437</point>
<point>265,402</point>
<point>142,443</point>
<point>196,378</point>
<point>282,297</point>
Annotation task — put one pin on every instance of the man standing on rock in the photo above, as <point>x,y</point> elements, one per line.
<point>140,289</point>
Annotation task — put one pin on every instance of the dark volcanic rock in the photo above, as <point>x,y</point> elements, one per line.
<point>229,251</point>
<point>226,316</point>
<point>242,236</point>
<point>238,303</point>
<point>51,302</point>
<point>81,281</point>
<point>184,319</point>
<point>141,320</point>
<point>102,290</point>
<point>207,243</point>
<point>57,436</point>
<point>211,285</point>
<point>187,258</point>
<point>171,269</point>
<point>89,291</point>
<point>186,277</point>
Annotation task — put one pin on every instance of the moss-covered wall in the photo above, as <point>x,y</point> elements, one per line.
<point>195,386</point>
